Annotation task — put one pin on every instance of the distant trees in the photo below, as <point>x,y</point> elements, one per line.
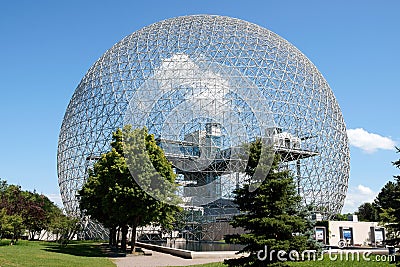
<point>272,215</point>
<point>24,213</point>
<point>116,192</point>
<point>373,212</point>
<point>368,212</point>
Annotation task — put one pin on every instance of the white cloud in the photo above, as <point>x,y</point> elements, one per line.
<point>364,190</point>
<point>369,142</point>
<point>357,196</point>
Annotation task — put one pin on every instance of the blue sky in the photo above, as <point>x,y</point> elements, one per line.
<point>46,47</point>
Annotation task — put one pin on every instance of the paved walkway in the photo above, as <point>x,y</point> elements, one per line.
<point>158,259</point>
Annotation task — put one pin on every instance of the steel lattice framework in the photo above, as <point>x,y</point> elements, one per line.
<point>204,85</point>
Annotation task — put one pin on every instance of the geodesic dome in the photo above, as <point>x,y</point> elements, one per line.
<point>204,85</point>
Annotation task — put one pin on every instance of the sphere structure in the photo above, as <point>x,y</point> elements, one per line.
<point>205,85</point>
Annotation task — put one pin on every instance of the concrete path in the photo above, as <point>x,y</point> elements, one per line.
<point>158,259</point>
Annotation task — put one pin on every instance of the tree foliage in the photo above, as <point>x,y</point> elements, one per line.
<point>271,215</point>
<point>64,227</point>
<point>116,191</point>
<point>385,197</point>
<point>368,212</point>
<point>388,201</point>
<point>11,225</point>
<point>24,212</point>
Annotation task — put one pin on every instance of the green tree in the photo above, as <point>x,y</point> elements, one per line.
<point>96,196</point>
<point>35,210</point>
<point>367,212</point>
<point>36,213</point>
<point>384,199</point>
<point>17,227</point>
<point>117,190</point>
<point>13,202</point>
<point>62,226</point>
<point>5,226</point>
<point>390,207</point>
<point>269,214</point>
<point>10,225</point>
<point>3,186</point>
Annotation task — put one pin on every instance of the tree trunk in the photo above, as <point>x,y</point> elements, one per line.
<point>12,240</point>
<point>114,237</point>
<point>16,235</point>
<point>133,236</point>
<point>124,232</point>
<point>111,236</point>
<point>117,241</point>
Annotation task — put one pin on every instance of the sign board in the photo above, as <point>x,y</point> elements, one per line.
<point>347,234</point>
<point>378,235</point>
<point>319,234</point>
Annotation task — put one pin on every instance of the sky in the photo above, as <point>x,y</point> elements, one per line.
<point>46,47</point>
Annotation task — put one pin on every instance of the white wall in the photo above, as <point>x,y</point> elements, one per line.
<point>361,232</point>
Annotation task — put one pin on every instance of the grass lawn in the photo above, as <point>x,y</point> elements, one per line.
<point>38,253</point>
<point>326,262</point>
